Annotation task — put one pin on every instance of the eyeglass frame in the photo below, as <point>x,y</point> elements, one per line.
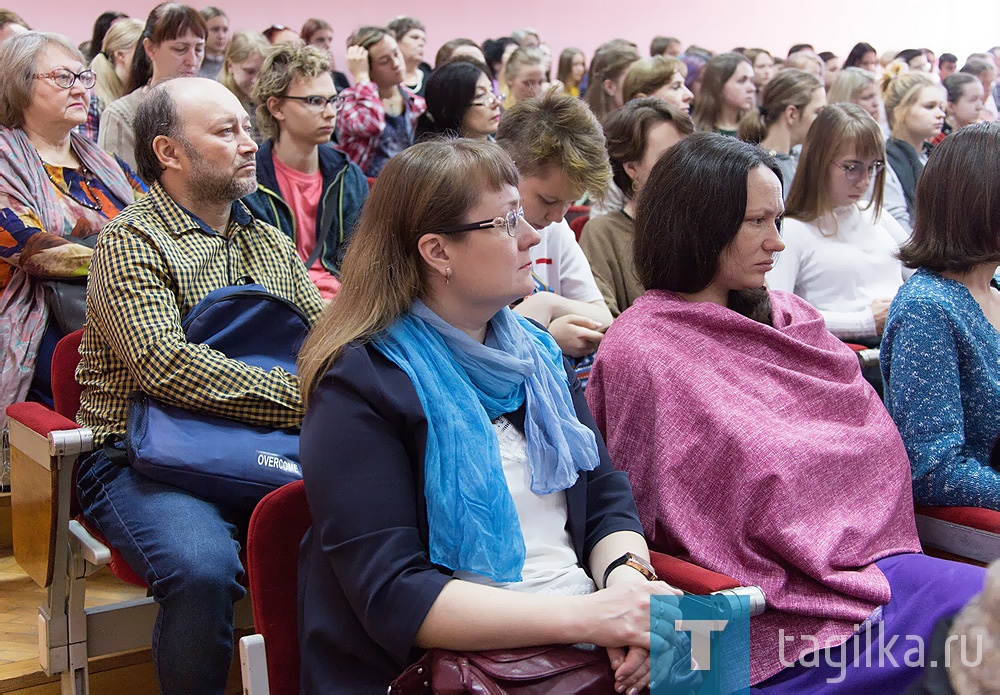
<point>337,101</point>
<point>508,222</point>
<point>481,101</point>
<point>77,76</point>
<point>853,172</point>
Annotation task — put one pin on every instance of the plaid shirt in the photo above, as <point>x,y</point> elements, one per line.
<point>361,122</point>
<point>153,263</point>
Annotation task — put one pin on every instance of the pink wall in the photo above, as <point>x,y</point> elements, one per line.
<point>722,24</point>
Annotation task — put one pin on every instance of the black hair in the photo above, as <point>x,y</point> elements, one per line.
<point>690,209</point>
<point>449,92</point>
<point>860,50</point>
<point>493,51</point>
<point>101,26</point>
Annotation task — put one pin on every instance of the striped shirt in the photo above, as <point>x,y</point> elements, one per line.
<point>153,263</point>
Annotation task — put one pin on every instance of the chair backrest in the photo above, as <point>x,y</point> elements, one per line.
<point>65,390</point>
<point>276,528</point>
<point>577,225</point>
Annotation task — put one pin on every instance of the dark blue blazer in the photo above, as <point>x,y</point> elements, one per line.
<point>366,581</point>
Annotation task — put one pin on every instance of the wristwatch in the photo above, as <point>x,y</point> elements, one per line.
<point>635,562</point>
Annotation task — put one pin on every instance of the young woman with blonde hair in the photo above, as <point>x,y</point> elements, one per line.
<point>112,66</point>
<point>857,86</point>
<point>241,68</point>
<point>661,77</point>
<point>840,255</point>
<point>523,75</point>
<point>915,108</point>
<point>789,105</point>
<point>727,93</point>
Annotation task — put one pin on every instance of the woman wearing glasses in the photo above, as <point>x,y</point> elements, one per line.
<point>460,102</point>
<point>305,187</point>
<point>840,254</point>
<point>56,188</point>
<point>460,496</point>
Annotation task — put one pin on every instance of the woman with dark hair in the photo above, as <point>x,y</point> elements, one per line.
<point>941,348</point>
<point>497,51</point>
<point>915,59</point>
<point>460,49</point>
<point>727,93</point>
<point>637,136</point>
<point>965,95</point>
<point>863,56</point>
<point>172,45</point>
<point>447,452</point>
<point>460,103</point>
<point>752,442</point>
<point>840,254</point>
<point>101,25</point>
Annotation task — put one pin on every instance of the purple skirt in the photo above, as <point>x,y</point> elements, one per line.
<point>891,655</point>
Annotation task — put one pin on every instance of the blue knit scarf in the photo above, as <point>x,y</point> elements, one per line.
<point>472,520</point>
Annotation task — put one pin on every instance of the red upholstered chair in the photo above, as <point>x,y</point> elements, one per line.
<point>57,551</point>
<point>969,533</point>
<point>276,527</point>
<point>270,659</point>
<point>577,225</point>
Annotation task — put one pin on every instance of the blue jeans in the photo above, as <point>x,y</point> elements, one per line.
<point>187,551</point>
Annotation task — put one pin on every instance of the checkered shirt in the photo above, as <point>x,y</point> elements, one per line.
<point>153,263</point>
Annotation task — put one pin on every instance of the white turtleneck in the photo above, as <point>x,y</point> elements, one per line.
<point>842,271</point>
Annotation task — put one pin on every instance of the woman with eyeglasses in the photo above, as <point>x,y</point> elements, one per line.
<point>57,191</point>
<point>457,488</point>
<point>460,103</point>
<point>305,186</point>
<point>840,253</point>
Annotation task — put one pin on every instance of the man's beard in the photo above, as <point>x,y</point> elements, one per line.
<point>208,183</point>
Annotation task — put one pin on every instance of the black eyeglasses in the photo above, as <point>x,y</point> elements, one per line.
<point>507,222</point>
<point>315,101</point>
<point>67,78</point>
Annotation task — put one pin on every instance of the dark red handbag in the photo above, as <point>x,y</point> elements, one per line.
<point>527,671</point>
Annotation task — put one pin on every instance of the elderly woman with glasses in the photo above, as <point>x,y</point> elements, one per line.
<point>460,496</point>
<point>840,253</point>
<point>460,102</point>
<point>57,190</point>
<point>305,187</point>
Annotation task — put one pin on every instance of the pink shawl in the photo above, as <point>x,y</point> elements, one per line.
<point>760,453</point>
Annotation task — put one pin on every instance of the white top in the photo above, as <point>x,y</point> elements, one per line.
<point>550,563</point>
<point>559,263</point>
<point>841,274</point>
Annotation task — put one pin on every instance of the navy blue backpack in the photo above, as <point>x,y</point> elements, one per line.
<point>213,457</point>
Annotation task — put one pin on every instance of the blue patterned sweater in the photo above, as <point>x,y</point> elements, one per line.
<point>941,366</point>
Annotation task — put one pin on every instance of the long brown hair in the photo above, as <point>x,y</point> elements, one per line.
<point>788,88</point>
<point>429,186</point>
<point>837,127</point>
<point>708,102</point>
